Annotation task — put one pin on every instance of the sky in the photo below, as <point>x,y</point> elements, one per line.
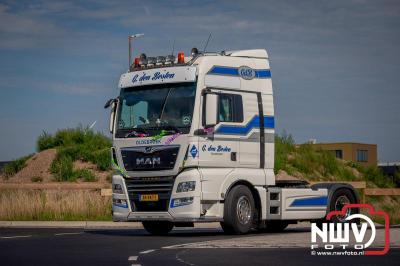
<point>335,64</point>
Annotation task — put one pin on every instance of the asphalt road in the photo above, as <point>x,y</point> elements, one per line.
<point>136,247</point>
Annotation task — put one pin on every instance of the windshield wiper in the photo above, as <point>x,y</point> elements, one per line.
<point>171,128</point>
<point>164,104</point>
<point>167,128</point>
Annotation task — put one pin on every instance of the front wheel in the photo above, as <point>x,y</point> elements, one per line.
<point>239,211</point>
<point>158,227</point>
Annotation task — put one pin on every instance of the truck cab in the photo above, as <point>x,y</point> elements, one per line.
<point>193,141</point>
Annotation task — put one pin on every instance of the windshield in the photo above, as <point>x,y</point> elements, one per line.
<point>145,111</point>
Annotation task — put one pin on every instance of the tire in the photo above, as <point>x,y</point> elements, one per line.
<point>239,211</point>
<point>276,226</point>
<point>340,198</point>
<point>158,227</point>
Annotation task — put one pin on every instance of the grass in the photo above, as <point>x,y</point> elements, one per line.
<point>15,166</point>
<point>307,162</point>
<point>76,144</point>
<point>85,174</point>
<point>311,164</point>
<point>54,205</point>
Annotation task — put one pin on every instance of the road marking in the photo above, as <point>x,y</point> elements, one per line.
<point>132,258</point>
<point>182,260</point>
<point>9,237</point>
<point>62,234</point>
<point>146,251</point>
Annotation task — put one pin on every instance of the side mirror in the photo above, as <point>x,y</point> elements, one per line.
<point>108,103</point>
<point>211,110</point>
<point>113,104</point>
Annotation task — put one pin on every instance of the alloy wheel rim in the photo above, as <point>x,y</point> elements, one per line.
<point>243,210</point>
<point>339,204</point>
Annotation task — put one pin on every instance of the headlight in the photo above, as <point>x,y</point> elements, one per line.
<point>120,203</point>
<point>117,188</point>
<point>186,186</point>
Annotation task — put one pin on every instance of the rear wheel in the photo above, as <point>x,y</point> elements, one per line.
<point>239,211</point>
<point>158,227</point>
<point>339,199</point>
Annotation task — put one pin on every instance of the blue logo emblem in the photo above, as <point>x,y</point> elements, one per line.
<point>193,151</point>
<point>247,72</point>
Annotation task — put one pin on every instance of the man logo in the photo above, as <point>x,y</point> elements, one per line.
<point>148,161</point>
<point>246,72</point>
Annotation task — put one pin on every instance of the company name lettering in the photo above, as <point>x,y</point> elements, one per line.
<point>147,141</point>
<point>156,76</point>
<point>218,148</point>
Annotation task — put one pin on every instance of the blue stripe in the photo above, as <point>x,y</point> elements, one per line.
<point>263,73</point>
<point>233,71</point>
<point>224,71</point>
<point>269,122</point>
<point>316,201</point>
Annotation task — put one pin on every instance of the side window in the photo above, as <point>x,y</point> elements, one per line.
<point>230,108</point>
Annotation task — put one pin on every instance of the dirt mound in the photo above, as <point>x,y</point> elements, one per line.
<point>283,176</point>
<point>101,176</point>
<point>37,166</point>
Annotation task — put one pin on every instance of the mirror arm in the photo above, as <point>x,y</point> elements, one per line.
<point>110,102</point>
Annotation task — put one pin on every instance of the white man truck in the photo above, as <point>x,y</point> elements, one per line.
<point>193,141</point>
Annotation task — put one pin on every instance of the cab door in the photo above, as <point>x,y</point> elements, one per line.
<point>221,149</point>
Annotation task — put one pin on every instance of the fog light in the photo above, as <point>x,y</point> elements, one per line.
<point>120,203</point>
<point>186,186</point>
<point>117,188</point>
<point>181,202</point>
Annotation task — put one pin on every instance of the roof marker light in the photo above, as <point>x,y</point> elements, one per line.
<point>181,58</point>
<point>160,60</point>
<point>136,63</point>
<point>151,61</point>
<point>169,59</point>
<point>142,60</point>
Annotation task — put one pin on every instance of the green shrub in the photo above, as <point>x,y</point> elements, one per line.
<point>15,166</point>
<point>62,168</point>
<point>102,159</point>
<point>79,144</point>
<point>45,141</point>
<point>284,146</point>
<point>375,175</point>
<point>86,174</point>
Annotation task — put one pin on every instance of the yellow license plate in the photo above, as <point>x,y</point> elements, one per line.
<point>149,197</point>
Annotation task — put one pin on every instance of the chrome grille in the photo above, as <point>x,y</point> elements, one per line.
<point>162,186</point>
<point>149,158</point>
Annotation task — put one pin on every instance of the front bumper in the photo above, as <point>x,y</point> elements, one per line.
<point>190,212</point>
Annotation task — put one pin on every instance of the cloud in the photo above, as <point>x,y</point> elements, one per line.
<point>334,63</point>
<point>19,32</point>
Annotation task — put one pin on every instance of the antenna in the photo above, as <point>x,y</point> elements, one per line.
<point>173,48</point>
<point>205,47</point>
